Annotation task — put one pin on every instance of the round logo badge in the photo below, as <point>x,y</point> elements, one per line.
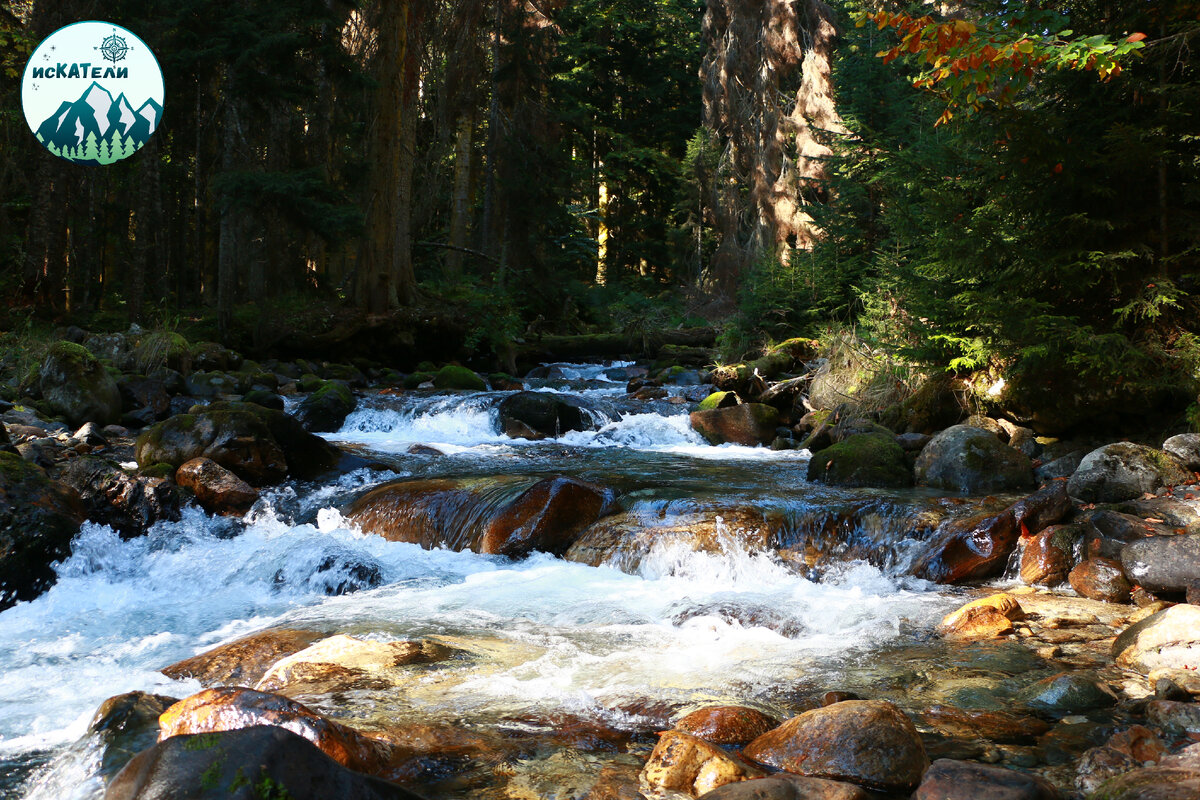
<point>92,93</point>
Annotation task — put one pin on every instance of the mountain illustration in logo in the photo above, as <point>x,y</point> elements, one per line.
<point>98,129</point>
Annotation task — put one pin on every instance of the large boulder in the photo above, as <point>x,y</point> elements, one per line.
<point>868,742</point>
<point>1100,579</point>
<point>326,408</point>
<point>684,763</point>
<point>507,517</point>
<point>947,779</point>
<point>1186,448</point>
<point>1123,471</point>
<point>253,763</point>
<point>1050,555</point>
<point>544,413</point>
<point>1163,563</point>
<point>934,406</point>
<point>129,504</point>
<point>749,424</point>
<point>77,386</point>
<point>726,724</point>
<point>259,445</point>
<point>38,519</point>
<point>862,459</point>
<point>125,725</point>
<point>1169,639</point>
<point>972,461</point>
<point>452,376</point>
<point>234,708</point>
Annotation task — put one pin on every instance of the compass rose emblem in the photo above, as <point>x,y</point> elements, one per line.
<point>114,48</point>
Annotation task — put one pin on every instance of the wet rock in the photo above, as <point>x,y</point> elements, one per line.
<point>126,725</point>
<point>257,444</point>
<point>479,514</point>
<point>1186,448</point>
<point>788,787</point>
<point>546,413</point>
<point>868,742</point>
<point>864,459</point>
<point>242,662</point>
<point>687,764</point>
<point>1169,639</point>
<point>6,445</point>
<point>1173,716</point>
<point>726,724</point>
<point>1023,440</point>
<point>217,489</point>
<point>985,618</point>
<point>1050,555</point>
<point>1180,684</point>
<point>1107,532</point>
<point>77,386</point>
<point>1099,764</point>
<point>1101,579</point>
<point>339,663</point>
<point>452,376</point>
<point>327,408</point>
<point>974,547</point>
<point>127,503</point>
<point>1123,471</point>
<point>1046,506</point>
<point>997,726</point>
<point>1174,511</point>
<point>627,539</point>
<point>1151,783</point>
<point>264,398</point>
<point>1067,693</point>
<point>147,394</point>
<point>966,780</point>
<point>246,764</point>
<point>971,461</point>
<point>748,424</point>
<point>1163,563</point>
<point>1139,743</point>
<point>1061,467</point>
<point>230,709</point>
<point>38,519</point>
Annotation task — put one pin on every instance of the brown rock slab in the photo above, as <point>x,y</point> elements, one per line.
<point>984,618</point>
<point>726,724</point>
<point>1151,783</point>
<point>1173,716</point>
<point>749,424</point>
<point>685,763</point>
<point>868,742</point>
<point>231,709</point>
<point>1050,555</point>
<point>339,663</point>
<point>998,726</point>
<point>244,661</point>
<point>217,489</point>
<point>548,517</point>
<point>947,779</point>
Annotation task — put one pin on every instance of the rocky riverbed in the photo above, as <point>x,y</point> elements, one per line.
<point>234,579</point>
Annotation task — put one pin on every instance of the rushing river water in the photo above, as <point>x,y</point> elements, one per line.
<point>735,623</point>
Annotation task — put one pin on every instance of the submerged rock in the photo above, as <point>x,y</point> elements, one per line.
<point>339,663</point>
<point>126,725</point>
<point>984,618</point>
<point>234,708</point>
<point>38,519</point>
<point>127,503</point>
<point>748,424</point>
<point>244,661</point>
<point>972,461</point>
<point>997,726</point>
<point>77,386</point>
<point>868,742</point>
<point>1123,471</point>
<point>1067,692</point>
<point>482,515</point>
<point>726,724</point>
<point>785,786</point>
<point>685,763</point>
<point>947,779</point>
<point>254,763</point>
<point>863,459</point>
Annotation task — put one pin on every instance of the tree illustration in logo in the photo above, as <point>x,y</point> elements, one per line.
<point>114,48</point>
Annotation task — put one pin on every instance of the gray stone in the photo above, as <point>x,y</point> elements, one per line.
<point>1185,447</point>
<point>1163,563</point>
<point>1124,471</point>
<point>972,461</point>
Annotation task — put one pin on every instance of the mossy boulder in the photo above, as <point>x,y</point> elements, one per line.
<point>719,400</point>
<point>452,376</point>
<point>211,384</point>
<point>972,461</point>
<point>163,349</point>
<point>798,348</point>
<point>326,408</point>
<point>1124,471</point>
<point>259,445</point>
<point>862,459</point>
<point>214,357</point>
<point>265,399</point>
<point>75,384</point>
<point>748,424</point>
<point>414,380</point>
<point>309,382</point>
<point>771,365</point>
<point>38,519</point>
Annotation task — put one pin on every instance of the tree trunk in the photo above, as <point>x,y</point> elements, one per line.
<point>227,237</point>
<point>460,202</point>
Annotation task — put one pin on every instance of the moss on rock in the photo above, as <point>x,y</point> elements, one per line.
<point>452,376</point>
<point>862,459</point>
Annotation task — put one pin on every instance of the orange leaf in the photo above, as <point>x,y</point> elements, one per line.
<point>1135,37</point>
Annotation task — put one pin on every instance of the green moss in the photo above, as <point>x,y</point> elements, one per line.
<point>427,366</point>
<point>201,741</point>
<point>268,789</point>
<point>864,459</point>
<point>159,470</point>
<point>415,380</point>
<point>719,400</point>
<point>239,780</point>
<point>455,377</point>
<point>334,388</point>
<point>72,353</point>
<point>309,383</point>
<point>15,469</point>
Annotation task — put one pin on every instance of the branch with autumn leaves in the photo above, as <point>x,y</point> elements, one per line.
<point>970,63</point>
